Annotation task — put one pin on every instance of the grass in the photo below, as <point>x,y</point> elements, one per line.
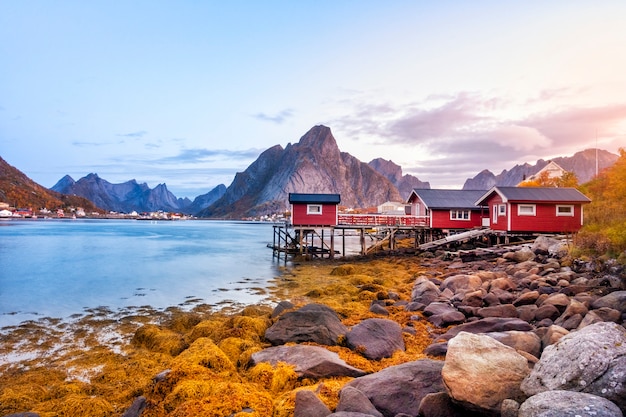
<point>98,363</point>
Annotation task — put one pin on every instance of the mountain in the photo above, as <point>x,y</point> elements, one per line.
<point>393,172</point>
<point>583,164</point>
<point>19,191</point>
<point>125,197</point>
<point>313,165</point>
<point>205,200</point>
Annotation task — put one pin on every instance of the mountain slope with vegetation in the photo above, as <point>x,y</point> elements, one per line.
<point>19,191</point>
<point>604,232</point>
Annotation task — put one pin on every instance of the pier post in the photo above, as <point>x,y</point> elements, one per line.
<point>362,239</point>
<point>332,243</point>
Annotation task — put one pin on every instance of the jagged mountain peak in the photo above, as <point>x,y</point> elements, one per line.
<point>313,165</point>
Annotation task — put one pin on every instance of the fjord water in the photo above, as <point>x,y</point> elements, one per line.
<point>58,268</point>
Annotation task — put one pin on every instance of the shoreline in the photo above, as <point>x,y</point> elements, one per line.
<point>104,349</point>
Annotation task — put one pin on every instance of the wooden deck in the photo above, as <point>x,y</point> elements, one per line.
<point>373,220</point>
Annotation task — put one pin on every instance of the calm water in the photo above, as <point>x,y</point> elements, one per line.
<point>56,268</point>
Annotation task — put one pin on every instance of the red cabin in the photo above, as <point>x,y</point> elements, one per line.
<point>535,209</point>
<point>314,209</point>
<point>448,209</point>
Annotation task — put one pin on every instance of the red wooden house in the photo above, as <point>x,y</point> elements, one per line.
<point>314,209</point>
<point>535,209</point>
<point>448,209</point>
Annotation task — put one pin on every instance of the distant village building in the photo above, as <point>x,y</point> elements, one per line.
<point>392,208</point>
<point>551,171</point>
<point>534,209</point>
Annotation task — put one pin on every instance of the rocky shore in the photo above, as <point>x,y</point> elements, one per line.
<point>525,336</point>
<point>518,333</point>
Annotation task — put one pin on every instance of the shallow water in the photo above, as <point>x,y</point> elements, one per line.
<point>57,268</point>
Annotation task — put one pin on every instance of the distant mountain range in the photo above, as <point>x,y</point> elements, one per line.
<point>313,165</point>
<point>131,196</point>
<point>583,164</point>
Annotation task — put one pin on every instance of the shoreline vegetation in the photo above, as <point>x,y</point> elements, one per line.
<point>97,363</point>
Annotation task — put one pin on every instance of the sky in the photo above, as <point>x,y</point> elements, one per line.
<point>188,93</point>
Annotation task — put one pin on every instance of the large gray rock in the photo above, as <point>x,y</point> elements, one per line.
<point>545,245</point>
<point>462,282</point>
<point>311,323</point>
<point>615,300</point>
<point>309,361</point>
<point>522,255</point>
<point>487,325</point>
<point>480,372</point>
<point>400,389</point>
<point>590,360</point>
<point>376,338</point>
<point>440,404</point>
<point>353,400</point>
<point>525,341</point>
<point>308,405</point>
<point>559,403</point>
<point>424,291</point>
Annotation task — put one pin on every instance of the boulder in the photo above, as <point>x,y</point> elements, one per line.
<point>559,403</point>
<point>376,338</point>
<point>529,297</point>
<point>308,405</point>
<point>545,245</point>
<point>136,407</point>
<point>311,323</point>
<point>462,282</point>
<point>523,341</point>
<point>487,325</point>
<point>502,310</point>
<point>424,291</point>
<point>480,372</point>
<point>615,300</point>
<point>309,361</point>
<point>590,360</point>
<point>400,389</point>
<point>440,404</point>
<point>353,400</point>
<point>522,255</point>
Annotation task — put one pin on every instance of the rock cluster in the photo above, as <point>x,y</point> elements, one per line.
<point>520,335</point>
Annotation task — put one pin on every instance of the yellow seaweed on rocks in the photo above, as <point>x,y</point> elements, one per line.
<point>275,379</point>
<point>158,339</point>
<point>205,354</point>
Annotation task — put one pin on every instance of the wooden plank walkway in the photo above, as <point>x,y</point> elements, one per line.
<point>470,234</point>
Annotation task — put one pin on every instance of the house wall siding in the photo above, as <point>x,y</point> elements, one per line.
<point>299,216</point>
<point>441,220</point>
<point>545,219</point>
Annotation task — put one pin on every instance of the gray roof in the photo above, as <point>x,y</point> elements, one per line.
<point>448,199</point>
<point>314,198</point>
<point>539,194</point>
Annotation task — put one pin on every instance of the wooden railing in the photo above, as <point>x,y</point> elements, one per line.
<point>381,220</point>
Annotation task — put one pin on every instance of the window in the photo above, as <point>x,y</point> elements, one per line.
<point>459,214</point>
<point>502,210</point>
<point>313,209</point>
<point>526,210</point>
<point>565,211</point>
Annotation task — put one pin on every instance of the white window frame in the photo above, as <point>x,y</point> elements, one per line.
<point>532,212</point>
<point>314,209</point>
<point>564,214</point>
<point>501,209</point>
<point>454,215</point>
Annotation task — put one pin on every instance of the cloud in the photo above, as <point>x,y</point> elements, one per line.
<point>199,155</point>
<point>88,144</point>
<point>279,118</point>
<point>138,134</point>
